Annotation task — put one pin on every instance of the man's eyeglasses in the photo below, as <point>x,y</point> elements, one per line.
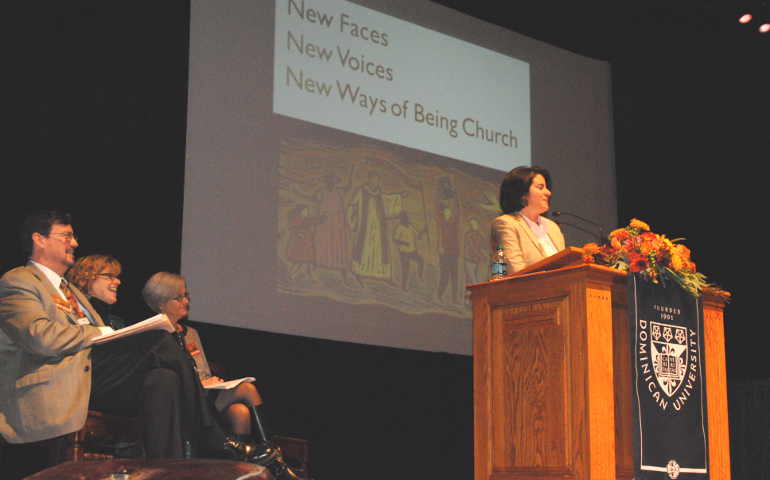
<point>68,236</point>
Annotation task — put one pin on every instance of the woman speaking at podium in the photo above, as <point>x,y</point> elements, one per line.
<point>524,234</point>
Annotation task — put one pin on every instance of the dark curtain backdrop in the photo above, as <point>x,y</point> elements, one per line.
<point>750,429</point>
<point>98,97</point>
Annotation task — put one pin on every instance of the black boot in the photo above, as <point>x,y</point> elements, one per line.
<point>220,445</point>
<point>235,448</point>
<point>267,454</point>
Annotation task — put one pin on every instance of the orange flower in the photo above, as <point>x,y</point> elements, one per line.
<point>619,233</point>
<point>681,251</point>
<point>677,263</point>
<point>650,243</point>
<point>620,238</point>
<point>646,243</point>
<point>639,225</point>
<point>680,258</point>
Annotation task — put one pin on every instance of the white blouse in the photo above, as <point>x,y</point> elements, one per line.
<point>541,235</point>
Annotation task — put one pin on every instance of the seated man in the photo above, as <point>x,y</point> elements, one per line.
<point>47,327</point>
<point>46,331</point>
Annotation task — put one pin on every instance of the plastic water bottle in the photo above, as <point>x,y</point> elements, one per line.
<point>499,268</point>
<point>187,449</point>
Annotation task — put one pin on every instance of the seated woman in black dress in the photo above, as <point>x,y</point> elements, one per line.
<point>167,293</point>
<point>148,374</point>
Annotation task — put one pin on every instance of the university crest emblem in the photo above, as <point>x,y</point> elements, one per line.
<point>669,352</point>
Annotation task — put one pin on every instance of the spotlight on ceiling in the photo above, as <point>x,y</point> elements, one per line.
<point>745,18</point>
<point>764,16</point>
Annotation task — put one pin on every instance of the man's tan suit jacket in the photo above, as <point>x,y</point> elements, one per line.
<point>45,364</point>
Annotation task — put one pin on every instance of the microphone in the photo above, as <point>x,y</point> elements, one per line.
<point>559,213</point>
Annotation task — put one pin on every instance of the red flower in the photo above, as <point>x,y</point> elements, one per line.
<point>637,262</point>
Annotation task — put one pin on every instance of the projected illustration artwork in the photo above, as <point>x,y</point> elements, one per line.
<point>362,224</point>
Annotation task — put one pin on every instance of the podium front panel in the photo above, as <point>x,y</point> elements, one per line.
<point>552,377</point>
<point>530,370</point>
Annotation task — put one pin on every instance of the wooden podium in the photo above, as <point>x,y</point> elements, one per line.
<point>552,374</point>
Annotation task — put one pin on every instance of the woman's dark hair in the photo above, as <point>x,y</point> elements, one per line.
<point>516,185</point>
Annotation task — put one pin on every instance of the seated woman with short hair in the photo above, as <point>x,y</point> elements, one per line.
<point>167,293</point>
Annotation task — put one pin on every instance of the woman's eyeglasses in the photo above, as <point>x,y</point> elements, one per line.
<point>109,276</point>
<point>181,297</point>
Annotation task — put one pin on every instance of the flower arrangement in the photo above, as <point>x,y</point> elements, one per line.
<point>638,250</point>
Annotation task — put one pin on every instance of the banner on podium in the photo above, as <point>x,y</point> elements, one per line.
<point>670,439</point>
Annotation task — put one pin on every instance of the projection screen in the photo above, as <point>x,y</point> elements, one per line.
<point>343,162</point>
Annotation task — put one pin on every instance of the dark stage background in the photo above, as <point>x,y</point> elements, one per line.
<point>100,131</point>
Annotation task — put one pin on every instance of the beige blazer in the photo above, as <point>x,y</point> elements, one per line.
<point>45,364</point>
<point>520,245</point>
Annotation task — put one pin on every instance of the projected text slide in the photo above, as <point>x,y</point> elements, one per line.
<point>347,67</point>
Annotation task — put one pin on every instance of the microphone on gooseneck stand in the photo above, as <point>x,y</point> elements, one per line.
<point>600,235</point>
